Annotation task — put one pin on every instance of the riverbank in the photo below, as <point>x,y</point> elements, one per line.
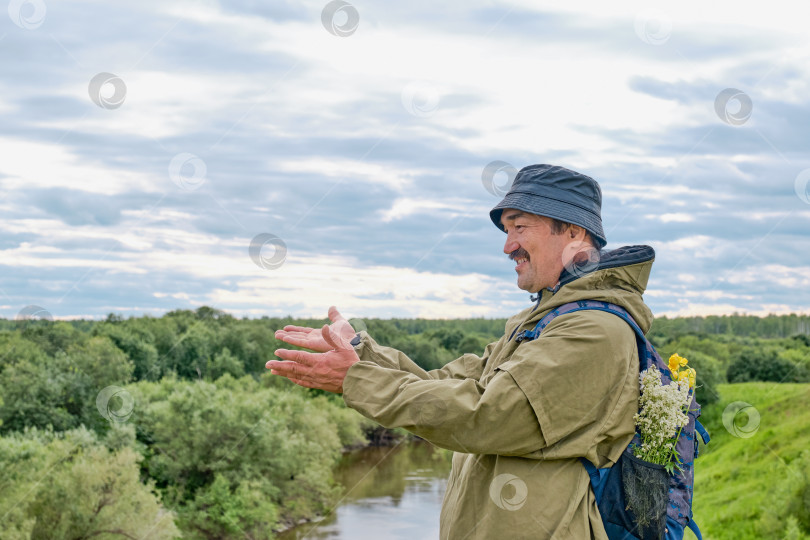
<point>387,492</point>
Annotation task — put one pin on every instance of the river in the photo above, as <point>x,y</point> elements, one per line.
<point>389,492</point>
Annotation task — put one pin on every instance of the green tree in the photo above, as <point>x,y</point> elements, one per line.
<point>220,510</point>
<point>137,344</point>
<point>60,390</point>
<point>68,486</point>
<point>759,364</point>
<point>34,395</point>
<point>238,430</point>
<point>472,344</point>
<point>800,358</point>
<point>53,337</point>
<point>224,362</point>
<point>709,375</point>
<point>426,352</point>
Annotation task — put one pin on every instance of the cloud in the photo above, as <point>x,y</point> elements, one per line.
<point>375,187</point>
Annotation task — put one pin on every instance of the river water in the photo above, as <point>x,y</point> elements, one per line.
<point>389,493</point>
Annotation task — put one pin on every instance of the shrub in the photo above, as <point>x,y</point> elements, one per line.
<point>709,375</point>
<point>754,364</point>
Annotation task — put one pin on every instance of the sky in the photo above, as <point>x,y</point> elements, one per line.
<point>272,158</point>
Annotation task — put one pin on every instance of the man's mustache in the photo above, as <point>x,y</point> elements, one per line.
<point>519,253</point>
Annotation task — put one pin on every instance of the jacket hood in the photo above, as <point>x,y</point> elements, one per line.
<point>620,278</point>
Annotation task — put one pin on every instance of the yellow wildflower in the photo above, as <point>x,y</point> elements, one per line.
<point>674,362</point>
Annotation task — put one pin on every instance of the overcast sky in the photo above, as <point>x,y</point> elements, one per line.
<point>144,146</point>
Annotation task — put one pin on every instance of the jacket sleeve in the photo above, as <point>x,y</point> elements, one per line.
<point>562,385</point>
<point>468,366</point>
<point>581,379</point>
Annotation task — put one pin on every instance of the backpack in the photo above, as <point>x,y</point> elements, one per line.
<point>609,485</point>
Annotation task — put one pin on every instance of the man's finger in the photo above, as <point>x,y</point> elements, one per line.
<point>292,339</point>
<point>300,357</point>
<point>291,370</point>
<point>334,339</point>
<point>293,328</point>
<point>334,314</point>
<point>306,342</point>
<point>291,333</point>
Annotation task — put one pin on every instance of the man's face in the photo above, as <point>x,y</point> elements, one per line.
<point>538,252</point>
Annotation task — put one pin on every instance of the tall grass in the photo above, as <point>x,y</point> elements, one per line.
<point>757,486</point>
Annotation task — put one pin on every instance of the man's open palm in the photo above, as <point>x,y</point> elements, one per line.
<point>325,369</point>
<point>312,338</point>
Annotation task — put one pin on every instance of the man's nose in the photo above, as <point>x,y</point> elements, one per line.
<point>510,245</point>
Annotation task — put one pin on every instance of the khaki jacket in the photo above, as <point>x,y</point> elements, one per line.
<point>520,416</point>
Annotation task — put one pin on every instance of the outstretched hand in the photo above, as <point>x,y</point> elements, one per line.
<point>325,369</point>
<point>312,338</point>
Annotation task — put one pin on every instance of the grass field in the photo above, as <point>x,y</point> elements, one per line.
<point>755,485</point>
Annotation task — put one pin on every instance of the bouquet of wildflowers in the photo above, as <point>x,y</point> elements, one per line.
<point>663,412</point>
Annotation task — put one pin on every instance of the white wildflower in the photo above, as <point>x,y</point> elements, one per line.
<point>662,415</point>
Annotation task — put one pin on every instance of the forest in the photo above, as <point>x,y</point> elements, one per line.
<point>170,426</point>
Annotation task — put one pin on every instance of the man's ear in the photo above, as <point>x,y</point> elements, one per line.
<point>576,232</point>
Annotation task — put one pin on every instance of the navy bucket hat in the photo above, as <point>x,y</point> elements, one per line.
<point>555,192</point>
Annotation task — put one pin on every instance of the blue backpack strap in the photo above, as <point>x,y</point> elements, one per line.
<point>695,529</point>
<point>645,351</point>
<point>597,477</point>
<point>703,433</point>
<point>645,355</point>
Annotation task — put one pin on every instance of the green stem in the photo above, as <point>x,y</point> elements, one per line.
<point>673,449</point>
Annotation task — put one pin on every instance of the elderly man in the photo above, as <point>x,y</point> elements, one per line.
<point>521,416</point>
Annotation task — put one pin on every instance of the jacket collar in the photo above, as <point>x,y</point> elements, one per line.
<point>615,258</point>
